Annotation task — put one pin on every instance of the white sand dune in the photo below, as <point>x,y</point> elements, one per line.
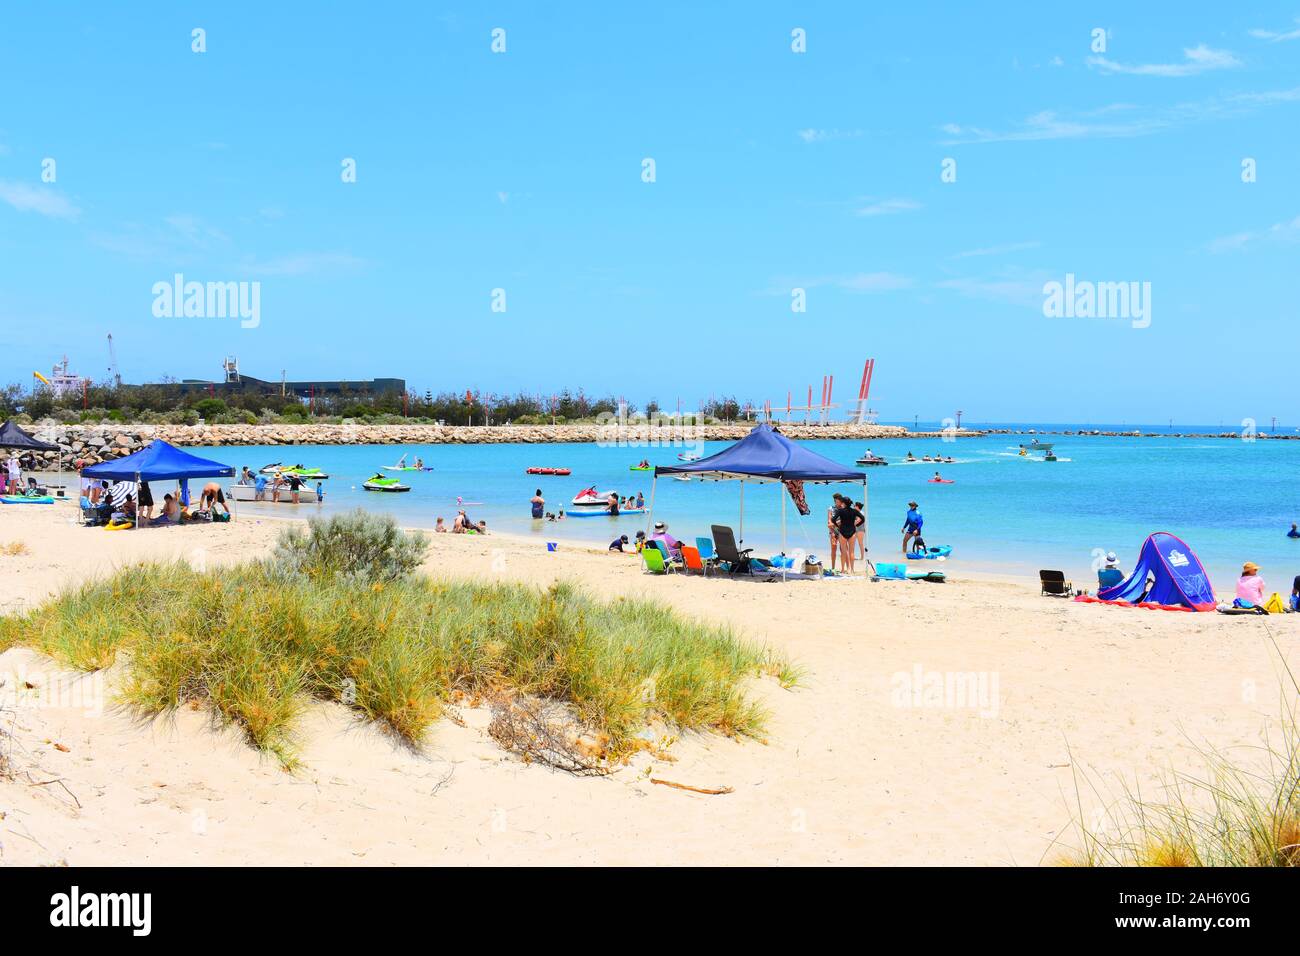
<point>851,772</point>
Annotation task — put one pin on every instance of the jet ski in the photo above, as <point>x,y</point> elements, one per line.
<point>384,483</point>
<point>688,456</point>
<point>588,498</point>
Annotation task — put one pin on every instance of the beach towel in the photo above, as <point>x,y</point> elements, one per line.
<point>797,496</point>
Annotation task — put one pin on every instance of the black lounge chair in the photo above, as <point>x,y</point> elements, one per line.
<point>1054,583</point>
<point>724,544</point>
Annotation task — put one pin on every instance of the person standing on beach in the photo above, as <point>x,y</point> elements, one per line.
<point>15,476</point>
<point>847,519</point>
<point>538,503</point>
<point>833,545</point>
<point>912,524</point>
<point>860,537</point>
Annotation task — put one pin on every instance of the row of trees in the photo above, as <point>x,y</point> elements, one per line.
<point>167,404</point>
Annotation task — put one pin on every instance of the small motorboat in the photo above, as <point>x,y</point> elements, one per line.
<point>681,477</point>
<point>384,483</point>
<point>1041,445</point>
<point>871,459</point>
<point>589,498</point>
<point>547,471</point>
<point>688,456</point>
<point>306,496</point>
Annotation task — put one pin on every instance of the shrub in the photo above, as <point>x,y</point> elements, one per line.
<point>357,544</point>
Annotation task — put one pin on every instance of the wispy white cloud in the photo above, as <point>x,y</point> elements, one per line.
<point>1010,287</point>
<point>1286,231</point>
<point>997,250</point>
<point>41,200</point>
<point>886,207</point>
<point>1118,120</point>
<point>1277,36</point>
<point>1197,59</point>
<point>827,135</point>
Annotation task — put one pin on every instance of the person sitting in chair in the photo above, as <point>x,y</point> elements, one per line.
<point>1110,575</point>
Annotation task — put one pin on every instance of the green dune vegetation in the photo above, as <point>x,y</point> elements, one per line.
<point>338,614</point>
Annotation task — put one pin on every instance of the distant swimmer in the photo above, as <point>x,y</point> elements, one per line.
<point>1293,533</point>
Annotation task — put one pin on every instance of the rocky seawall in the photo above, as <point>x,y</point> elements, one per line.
<point>95,443</point>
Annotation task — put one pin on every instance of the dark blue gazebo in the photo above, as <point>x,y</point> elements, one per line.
<point>158,461</point>
<point>764,456</point>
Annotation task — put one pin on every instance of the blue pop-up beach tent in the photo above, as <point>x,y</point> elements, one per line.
<point>158,461</point>
<point>1168,572</point>
<point>764,455</point>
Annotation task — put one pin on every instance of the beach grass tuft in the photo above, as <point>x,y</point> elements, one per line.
<point>257,641</point>
<point>1243,810</point>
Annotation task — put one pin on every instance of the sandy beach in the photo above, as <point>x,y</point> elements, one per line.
<point>861,765</point>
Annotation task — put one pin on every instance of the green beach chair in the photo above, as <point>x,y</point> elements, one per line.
<point>654,561</point>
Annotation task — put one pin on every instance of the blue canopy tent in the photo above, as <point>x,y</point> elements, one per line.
<point>1168,572</point>
<point>158,461</point>
<point>764,456</point>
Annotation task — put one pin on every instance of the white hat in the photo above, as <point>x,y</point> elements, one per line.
<point>1110,557</point>
<point>661,526</point>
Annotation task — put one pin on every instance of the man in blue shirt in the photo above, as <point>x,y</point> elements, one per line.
<point>911,524</point>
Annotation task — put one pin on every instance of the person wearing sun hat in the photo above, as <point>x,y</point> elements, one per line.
<point>1250,586</point>
<point>1110,575</point>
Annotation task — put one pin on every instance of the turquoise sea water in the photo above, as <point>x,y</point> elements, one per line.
<point>1229,500</point>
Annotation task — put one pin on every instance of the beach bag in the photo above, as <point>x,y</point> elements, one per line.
<point>811,565</point>
<point>1274,604</point>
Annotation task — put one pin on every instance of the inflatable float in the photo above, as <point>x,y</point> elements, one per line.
<point>604,514</point>
<point>941,551</point>
<point>547,471</point>
<point>940,481</point>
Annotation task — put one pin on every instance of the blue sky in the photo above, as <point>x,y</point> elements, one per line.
<point>774,170</point>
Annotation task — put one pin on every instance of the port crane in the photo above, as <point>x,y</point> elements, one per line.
<point>112,363</point>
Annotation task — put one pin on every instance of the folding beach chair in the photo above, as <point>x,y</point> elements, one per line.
<point>1054,583</point>
<point>692,560</point>
<point>707,554</point>
<point>739,562</point>
<point>654,561</point>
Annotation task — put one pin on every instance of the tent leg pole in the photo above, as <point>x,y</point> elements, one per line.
<point>137,501</point>
<point>742,510</point>
<point>650,515</point>
<point>784,555</point>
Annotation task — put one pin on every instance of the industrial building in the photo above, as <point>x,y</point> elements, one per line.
<point>235,382</point>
